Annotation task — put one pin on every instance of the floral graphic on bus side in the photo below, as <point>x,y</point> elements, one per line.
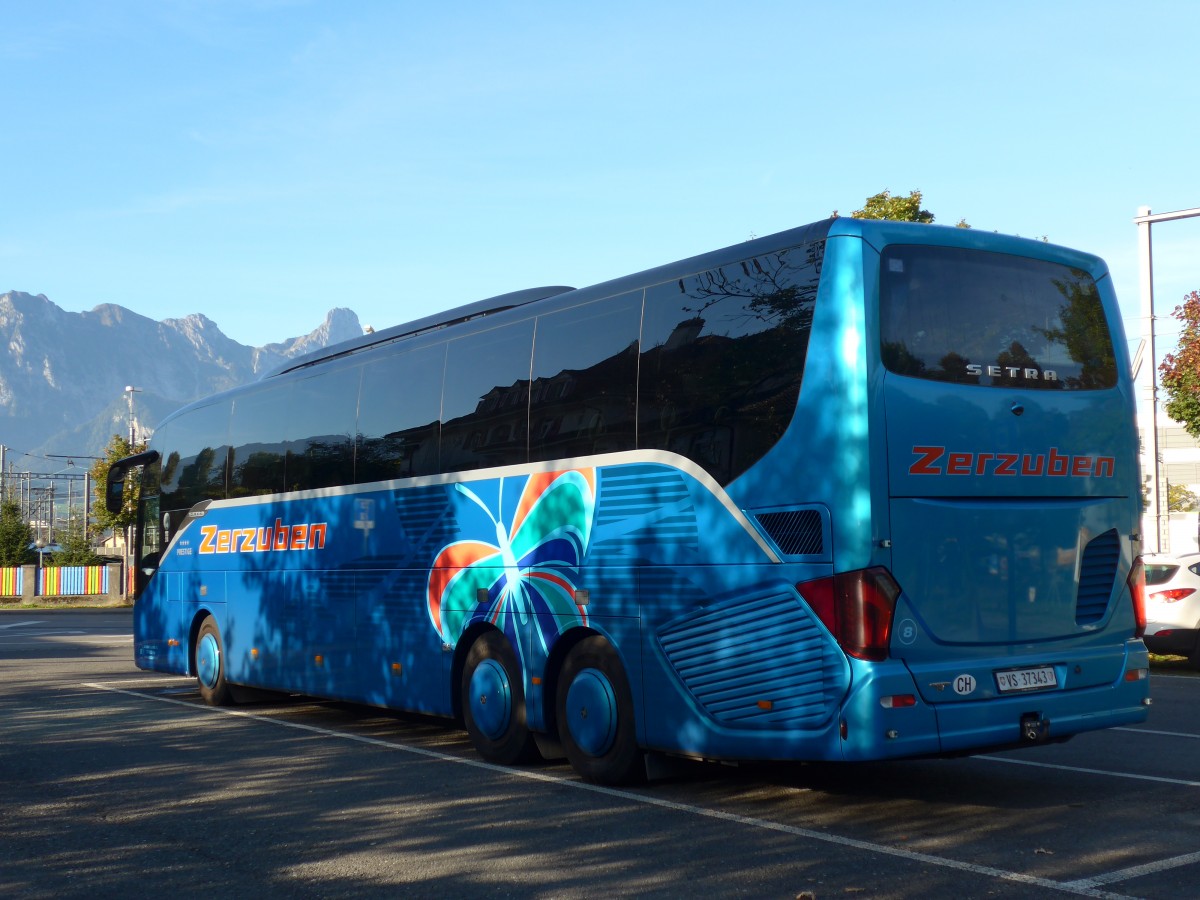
<point>524,572</point>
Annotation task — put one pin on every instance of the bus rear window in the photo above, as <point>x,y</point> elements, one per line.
<point>978,317</point>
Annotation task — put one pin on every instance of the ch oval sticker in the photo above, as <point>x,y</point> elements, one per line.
<point>964,684</point>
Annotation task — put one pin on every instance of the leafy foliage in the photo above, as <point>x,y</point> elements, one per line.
<point>75,543</point>
<point>1180,370</point>
<point>15,534</point>
<point>1180,499</point>
<point>118,448</point>
<point>898,209</point>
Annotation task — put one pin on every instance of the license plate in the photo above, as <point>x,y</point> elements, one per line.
<point>1037,678</point>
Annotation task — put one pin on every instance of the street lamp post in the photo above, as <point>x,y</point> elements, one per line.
<point>130,390</point>
<point>1155,501</point>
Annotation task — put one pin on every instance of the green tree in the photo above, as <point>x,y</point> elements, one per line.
<point>1180,370</point>
<point>1180,499</point>
<point>75,542</point>
<point>15,534</point>
<point>898,209</point>
<point>118,448</point>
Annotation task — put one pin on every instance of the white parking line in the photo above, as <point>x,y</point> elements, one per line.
<point>1153,868</point>
<point>21,638</point>
<point>1078,887</point>
<point>1178,734</point>
<point>1086,771</point>
<point>70,637</point>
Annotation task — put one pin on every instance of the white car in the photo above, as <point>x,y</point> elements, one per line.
<point>1173,605</point>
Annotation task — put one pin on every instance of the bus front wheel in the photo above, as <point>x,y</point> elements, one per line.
<point>493,701</point>
<point>594,709</point>
<point>210,665</point>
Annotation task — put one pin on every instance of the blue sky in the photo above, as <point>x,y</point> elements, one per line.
<point>263,162</point>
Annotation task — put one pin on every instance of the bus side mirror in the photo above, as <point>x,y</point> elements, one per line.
<point>114,486</point>
<point>114,489</point>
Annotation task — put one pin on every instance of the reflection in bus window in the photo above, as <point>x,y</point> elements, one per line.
<point>722,357</point>
<point>257,430</point>
<point>584,393</point>
<point>485,402</point>
<point>195,455</point>
<point>320,429</point>
<point>398,413</point>
<point>978,317</point>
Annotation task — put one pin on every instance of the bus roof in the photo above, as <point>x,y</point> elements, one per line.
<point>878,232</point>
<point>442,319</point>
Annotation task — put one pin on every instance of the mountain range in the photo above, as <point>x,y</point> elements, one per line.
<point>64,375</point>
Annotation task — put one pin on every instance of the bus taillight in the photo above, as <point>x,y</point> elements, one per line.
<point>857,608</point>
<point>1137,590</point>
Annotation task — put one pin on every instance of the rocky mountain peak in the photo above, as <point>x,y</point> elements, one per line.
<point>63,377</point>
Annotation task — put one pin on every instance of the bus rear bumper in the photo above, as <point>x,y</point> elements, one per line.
<point>1002,722</point>
<point>874,726</point>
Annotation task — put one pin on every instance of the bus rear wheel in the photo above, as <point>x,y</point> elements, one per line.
<point>594,708</point>
<point>493,702</point>
<point>210,665</point>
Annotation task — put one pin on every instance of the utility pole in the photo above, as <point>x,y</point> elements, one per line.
<point>38,500</point>
<point>1156,514</point>
<point>87,482</point>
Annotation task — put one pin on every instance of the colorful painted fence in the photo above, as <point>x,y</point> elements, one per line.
<point>12,581</point>
<point>60,581</point>
<point>72,581</point>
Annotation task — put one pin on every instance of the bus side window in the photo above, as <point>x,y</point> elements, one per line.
<point>195,455</point>
<point>256,436</point>
<point>485,401</point>
<point>320,430</point>
<point>150,533</point>
<point>722,356</point>
<point>399,405</point>
<point>584,394</point>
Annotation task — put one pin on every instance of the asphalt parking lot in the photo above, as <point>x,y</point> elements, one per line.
<point>118,782</point>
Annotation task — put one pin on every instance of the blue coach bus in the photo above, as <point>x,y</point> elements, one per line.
<point>854,491</point>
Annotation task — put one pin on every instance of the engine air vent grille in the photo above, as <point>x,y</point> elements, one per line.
<point>797,532</point>
<point>1097,575</point>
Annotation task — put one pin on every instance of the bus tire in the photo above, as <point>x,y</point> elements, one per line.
<point>210,665</point>
<point>493,701</point>
<point>594,711</point>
